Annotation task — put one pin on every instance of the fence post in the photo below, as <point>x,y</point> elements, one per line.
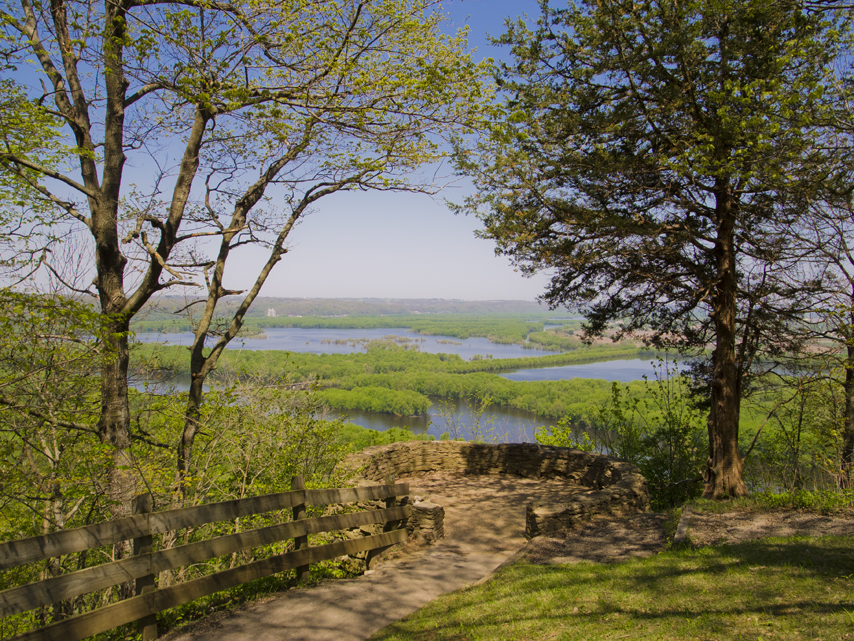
<point>388,526</point>
<point>142,504</point>
<point>390,502</point>
<point>300,542</point>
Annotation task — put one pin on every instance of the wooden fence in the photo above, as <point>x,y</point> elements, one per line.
<point>144,566</point>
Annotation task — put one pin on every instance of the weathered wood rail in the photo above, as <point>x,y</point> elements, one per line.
<point>144,566</point>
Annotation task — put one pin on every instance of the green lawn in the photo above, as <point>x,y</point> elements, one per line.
<point>791,588</point>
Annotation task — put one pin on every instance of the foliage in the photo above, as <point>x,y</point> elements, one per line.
<point>563,340</point>
<point>792,588</point>
<point>654,157</point>
<point>389,370</point>
<point>376,399</point>
<point>27,226</point>
<point>500,329</point>
<point>346,310</point>
<point>801,442</point>
<point>565,434</point>
<point>480,429</point>
<point>52,458</point>
<point>657,430</point>
<point>824,248</point>
<point>255,437</point>
<point>832,501</point>
<point>354,438</point>
<point>633,155</point>
<point>243,115</point>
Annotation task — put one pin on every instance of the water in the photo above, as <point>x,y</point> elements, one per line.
<point>456,417</point>
<point>353,341</point>
<point>623,371</point>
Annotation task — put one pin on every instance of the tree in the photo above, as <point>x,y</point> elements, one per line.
<point>50,450</point>
<point>647,154</point>
<point>825,249</point>
<point>236,118</point>
<point>25,129</point>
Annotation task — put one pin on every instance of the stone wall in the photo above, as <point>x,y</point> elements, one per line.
<point>615,487</point>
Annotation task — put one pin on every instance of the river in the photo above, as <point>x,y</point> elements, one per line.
<point>353,341</point>
<point>502,424</point>
<point>619,370</point>
<point>458,419</point>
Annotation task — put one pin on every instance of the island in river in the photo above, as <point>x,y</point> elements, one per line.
<point>439,373</point>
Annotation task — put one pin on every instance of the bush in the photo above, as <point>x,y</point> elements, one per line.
<point>353,438</point>
<point>659,432</point>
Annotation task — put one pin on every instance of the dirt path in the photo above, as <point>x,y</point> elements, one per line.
<point>606,540</point>
<point>732,527</point>
<point>484,528</point>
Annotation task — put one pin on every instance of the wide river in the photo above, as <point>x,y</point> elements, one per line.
<point>497,423</point>
<point>353,341</point>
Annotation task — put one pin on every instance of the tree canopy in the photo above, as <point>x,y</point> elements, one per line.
<point>654,157</point>
<point>182,130</point>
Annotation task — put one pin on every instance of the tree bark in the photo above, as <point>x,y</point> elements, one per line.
<point>845,481</point>
<point>114,422</point>
<point>192,414</point>
<point>724,467</point>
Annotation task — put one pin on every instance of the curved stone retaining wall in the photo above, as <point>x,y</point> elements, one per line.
<point>616,487</point>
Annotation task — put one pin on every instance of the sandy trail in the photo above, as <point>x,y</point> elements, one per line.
<point>484,527</point>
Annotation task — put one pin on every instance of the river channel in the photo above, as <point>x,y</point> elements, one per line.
<point>501,424</point>
<point>354,341</point>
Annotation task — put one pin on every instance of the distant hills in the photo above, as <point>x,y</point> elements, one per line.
<point>165,307</point>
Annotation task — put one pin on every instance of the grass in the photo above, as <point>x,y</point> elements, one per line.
<point>788,588</point>
<point>820,501</point>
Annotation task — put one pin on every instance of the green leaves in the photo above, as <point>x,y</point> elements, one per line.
<point>27,217</point>
<point>622,123</point>
<point>645,156</point>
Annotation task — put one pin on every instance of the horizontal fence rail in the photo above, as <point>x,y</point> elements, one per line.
<point>143,567</point>
<point>37,548</point>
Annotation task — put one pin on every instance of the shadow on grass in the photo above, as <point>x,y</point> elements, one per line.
<point>774,588</point>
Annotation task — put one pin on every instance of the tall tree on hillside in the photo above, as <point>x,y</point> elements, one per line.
<point>644,152</point>
<point>235,118</point>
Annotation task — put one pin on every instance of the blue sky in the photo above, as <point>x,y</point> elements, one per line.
<point>403,245</point>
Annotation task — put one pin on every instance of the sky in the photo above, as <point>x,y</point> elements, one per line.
<point>386,245</point>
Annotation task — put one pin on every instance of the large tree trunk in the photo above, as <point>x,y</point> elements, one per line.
<point>845,480</point>
<point>724,467</point>
<point>114,423</point>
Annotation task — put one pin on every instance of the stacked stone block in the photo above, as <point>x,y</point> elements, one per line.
<point>427,522</point>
